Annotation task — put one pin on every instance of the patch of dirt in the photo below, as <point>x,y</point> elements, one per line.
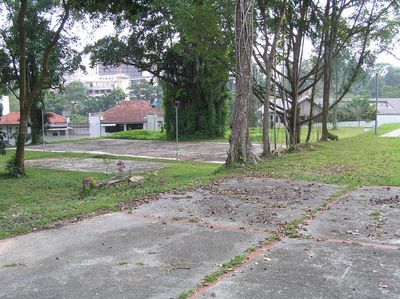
<point>393,201</point>
<point>336,169</point>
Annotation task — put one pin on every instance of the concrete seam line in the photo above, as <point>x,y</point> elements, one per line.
<point>358,243</point>
<point>204,224</point>
<point>252,256</point>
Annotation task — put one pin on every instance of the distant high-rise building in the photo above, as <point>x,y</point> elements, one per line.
<point>128,70</point>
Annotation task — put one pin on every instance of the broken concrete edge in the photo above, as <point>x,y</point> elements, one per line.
<point>119,179</point>
<point>201,223</point>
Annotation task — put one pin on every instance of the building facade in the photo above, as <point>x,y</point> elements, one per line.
<point>56,127</point>
<point>126,115</point>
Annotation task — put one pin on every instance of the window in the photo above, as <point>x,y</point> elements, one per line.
<point>134,126</point>
<point>55,134</point>
<point>113,129</point>
<point>62,133</point>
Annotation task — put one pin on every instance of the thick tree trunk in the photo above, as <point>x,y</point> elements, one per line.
<point>36,127</point>
<point>20,152</point>
<point>240,147</point>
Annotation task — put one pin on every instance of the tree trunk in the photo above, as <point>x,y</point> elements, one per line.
<point>328,45</point>
<point>20,152</point>
<point>267,115</point>
<point>36,127</point>
<point>240,147</point>
<point>23,92</point>
<point>334,118</point>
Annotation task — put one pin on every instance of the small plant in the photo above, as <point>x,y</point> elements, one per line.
<point>186,294</point>
<point>376,215</point>
<point>123,263</point>
<point>88,184</point>
<point>2,143</point>
<point>12,168</point>
<point>107,162</point>
<point>120,166</point>
<point>193,219</point>
<point>14,265</point>
<point>237,260</point>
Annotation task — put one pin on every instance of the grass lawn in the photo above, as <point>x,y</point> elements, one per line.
<point>255,135</point>
<point>47,196</point>
<point>364,159</point>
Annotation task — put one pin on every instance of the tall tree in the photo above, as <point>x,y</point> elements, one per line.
<point>265,54</point>
<point>31,43</point>
<point>240,147</point>
<point>186,45</point>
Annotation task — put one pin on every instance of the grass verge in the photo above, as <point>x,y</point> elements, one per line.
<point>48,196</point>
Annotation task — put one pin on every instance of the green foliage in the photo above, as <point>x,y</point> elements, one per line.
<point>12,169</point>
<point>2,143</point>
<point>138,135</point>
<point>188,46</point>
<point>45,196</point>
<point>144,90</point>
<point>78,119</point>
<point>359,108</point>
<point>101,103</point>
<point>186,294</point>
<point>70,98</point>
<point>237,260</point>
<point>74,100</point>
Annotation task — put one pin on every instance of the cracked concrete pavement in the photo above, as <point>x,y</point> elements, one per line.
<point>188,150</point>
<point>168,245</point>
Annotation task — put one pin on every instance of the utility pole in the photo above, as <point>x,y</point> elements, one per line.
<point>44,148</point>
<point>176,129</point>
<point>376,103</point>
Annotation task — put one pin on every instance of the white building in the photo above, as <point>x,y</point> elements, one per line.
<point>56,127</point>
<point>4,105</point>
<point>126,115</point>
<point>388,110</point>
<point>101,85</point>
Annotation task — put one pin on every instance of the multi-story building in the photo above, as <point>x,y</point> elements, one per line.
<point>127,70</point>
<point>100,85</point>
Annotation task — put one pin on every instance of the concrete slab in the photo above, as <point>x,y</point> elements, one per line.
<point>95,165</point>
<point>310,269</point>
<point>258,203</point>
<point>395,133</point>
<point>198,151</point>
<point>367,214</point>
<point>115,255</point>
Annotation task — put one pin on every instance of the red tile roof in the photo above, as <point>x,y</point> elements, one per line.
<point>13,118</point>
<point>55,118</point>
<point>10,119</point>
<point>130,112</point>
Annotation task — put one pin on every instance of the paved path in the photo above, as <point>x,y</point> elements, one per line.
<point>198,151</point>
<point>95,165</point>
<point>395,133</point>
<point>349,248</point>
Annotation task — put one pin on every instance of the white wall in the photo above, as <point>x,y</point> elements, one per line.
<point>94,125</point>
<point>5,101</point>
<point>388,119</point>
<point>153,122</point>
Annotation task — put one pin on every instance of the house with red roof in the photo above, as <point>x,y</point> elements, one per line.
<point>126,115</point>
<point>56,126</point>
